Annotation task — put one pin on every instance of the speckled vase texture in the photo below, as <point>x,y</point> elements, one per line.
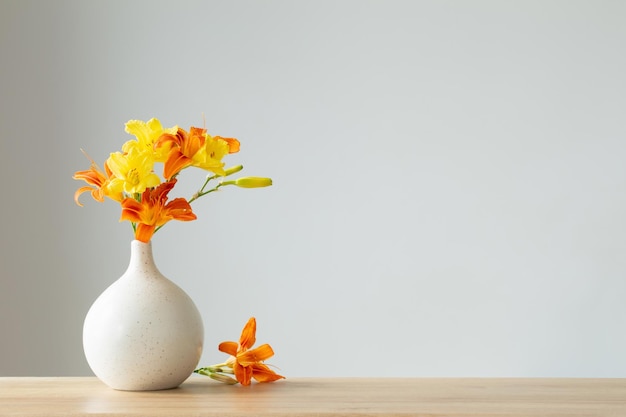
<point>143,333</point>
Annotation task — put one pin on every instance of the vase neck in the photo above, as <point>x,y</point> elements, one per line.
<point>141,259</point>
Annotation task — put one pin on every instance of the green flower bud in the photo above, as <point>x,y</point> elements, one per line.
<point>232,170</point>
<point>253,182</point>
<point>223,378</point>
<point>250,182</point>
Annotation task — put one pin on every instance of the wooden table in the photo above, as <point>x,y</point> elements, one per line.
<point>200,396</point>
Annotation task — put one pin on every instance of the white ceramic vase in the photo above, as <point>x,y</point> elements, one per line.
<point>144,332</point>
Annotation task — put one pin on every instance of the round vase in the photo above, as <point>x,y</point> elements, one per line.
<point>144,332</point>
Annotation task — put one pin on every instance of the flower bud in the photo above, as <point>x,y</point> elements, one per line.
<point>232,170</point>
<point>223,378</point>
<point>253,182</point>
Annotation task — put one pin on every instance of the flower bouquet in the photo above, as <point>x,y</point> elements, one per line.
<point>129,176</point>
<point>144,332</point>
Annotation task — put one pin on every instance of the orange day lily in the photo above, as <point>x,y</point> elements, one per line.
<point>98,183</point>
<point>246,362</point>
<point>195,148</point>
<point>152,211</point>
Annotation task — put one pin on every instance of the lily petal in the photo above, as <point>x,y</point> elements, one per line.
<point>248,334</point>
<point>243,374</point>
<point>255,355</point>
<point>144,232</point>
<point>233,144</point>
<point>263,373</point>
<point>78,193</point>
<point>131,210</point>
<point>180,209</point>
<point>175,162</point>
<point>229,348</point>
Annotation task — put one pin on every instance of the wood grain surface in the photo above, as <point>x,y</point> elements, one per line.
<point>199,396</point>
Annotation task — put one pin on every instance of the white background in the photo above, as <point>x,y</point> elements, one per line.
<point>450,185</point>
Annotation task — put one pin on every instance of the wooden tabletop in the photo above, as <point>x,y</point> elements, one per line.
<point>200,396</point>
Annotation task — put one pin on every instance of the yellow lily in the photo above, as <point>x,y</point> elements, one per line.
<point>147,133</point>
<point>132,170</point>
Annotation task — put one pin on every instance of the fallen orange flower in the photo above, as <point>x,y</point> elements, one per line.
<point>246,362</point>
<point>153,212</point>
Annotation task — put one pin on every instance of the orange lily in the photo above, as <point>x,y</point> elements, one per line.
<point>152,211</point>
<point>184,147</point>
<point>98,183</point>
<point>190,148</point>
<point>246,362</point>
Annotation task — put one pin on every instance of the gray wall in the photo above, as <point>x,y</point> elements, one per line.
<point>450,186</point>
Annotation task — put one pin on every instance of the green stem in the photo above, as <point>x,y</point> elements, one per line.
<point>203,371</point>
<point>208,179</point>
<point>219,368</point>
<point>201,192</point>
